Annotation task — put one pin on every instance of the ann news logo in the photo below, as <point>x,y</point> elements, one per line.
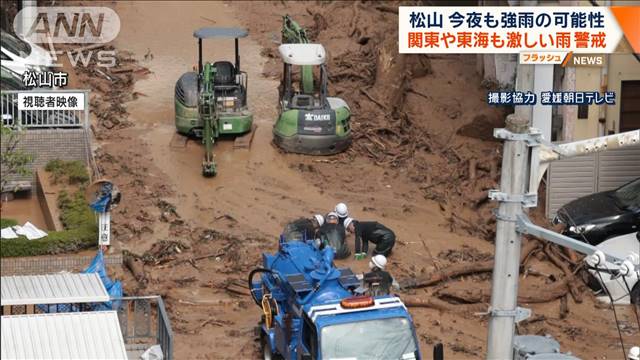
<point>71,25</point>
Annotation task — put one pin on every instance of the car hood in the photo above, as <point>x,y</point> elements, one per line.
<point>588,208</point>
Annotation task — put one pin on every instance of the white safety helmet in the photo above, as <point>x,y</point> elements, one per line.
<point>634,353</point>
<point>347,222</point>
<point>332,214</point>
<point>379,261</point>
<point>341,210</point>
<point>319,218</point>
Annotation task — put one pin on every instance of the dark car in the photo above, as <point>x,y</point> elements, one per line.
<point>597,217</point>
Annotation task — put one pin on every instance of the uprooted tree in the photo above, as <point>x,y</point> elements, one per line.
<point>14,161</point>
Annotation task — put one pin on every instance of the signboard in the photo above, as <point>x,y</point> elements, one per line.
<point>51,101</point>
<point>104,226</point>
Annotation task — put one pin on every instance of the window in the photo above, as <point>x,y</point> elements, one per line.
<point>583,111</point>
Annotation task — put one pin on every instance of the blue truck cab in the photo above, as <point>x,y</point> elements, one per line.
<point>310,310</point>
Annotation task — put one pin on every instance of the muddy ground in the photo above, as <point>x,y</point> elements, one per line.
<point>198,236</point>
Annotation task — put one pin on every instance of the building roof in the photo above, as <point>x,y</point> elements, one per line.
<point>62,288</point>
<point>79,335</point>
<point>212,32</point>
<point>302,54</point>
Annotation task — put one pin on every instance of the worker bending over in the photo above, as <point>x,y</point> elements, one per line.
<point>377,280</point>
<point>370,231</point>
<point>303,228</point>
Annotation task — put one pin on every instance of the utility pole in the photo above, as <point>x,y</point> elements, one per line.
<point>504,291</point>
<point>525,155</point>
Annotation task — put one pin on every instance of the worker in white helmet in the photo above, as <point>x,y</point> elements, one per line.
<point>332,218</point>
<point>634,353</point>
<point>370,231</point>
<point>378,280</point>
<point>333,234</point>
<point>303,228</point>
<point>342,211</point>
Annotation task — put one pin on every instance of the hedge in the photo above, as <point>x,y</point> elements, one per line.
<point>81,230</point>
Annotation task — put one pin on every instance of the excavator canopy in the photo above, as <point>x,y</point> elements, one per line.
<point>303,54</point>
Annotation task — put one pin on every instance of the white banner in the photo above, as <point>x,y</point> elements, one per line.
<point>50,101</point>
<point>505,29</point>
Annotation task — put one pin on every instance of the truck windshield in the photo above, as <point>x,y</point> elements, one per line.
<point>371,339</point>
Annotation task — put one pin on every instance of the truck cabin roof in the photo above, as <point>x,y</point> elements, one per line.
<point>384,308</point>
<point>303,54</point>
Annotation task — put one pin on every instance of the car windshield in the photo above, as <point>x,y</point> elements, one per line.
<point>15,45</point>
<point>371,339</point>
<point>628,196</point>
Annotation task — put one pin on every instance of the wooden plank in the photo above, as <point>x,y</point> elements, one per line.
<point>244,141</point>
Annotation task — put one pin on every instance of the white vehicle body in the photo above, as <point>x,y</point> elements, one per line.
<point>620,246</point>
<point>19,55</point>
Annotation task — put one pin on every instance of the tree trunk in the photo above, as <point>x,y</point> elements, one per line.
<point>457,270</point>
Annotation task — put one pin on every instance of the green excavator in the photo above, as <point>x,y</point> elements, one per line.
<point>213,101</point>
<point>309,122</point>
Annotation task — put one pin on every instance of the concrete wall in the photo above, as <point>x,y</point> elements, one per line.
<point>587,79</point>
<point>620,67</point>
<point>49,144</point>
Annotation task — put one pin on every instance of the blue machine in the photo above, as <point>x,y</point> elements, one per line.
<point>310,310</point>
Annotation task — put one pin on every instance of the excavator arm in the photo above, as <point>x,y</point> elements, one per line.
<point>293,33</point>
<point>209,117</point>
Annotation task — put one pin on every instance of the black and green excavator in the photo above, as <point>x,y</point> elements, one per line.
<point>213,101</point>
<point>309,122</point>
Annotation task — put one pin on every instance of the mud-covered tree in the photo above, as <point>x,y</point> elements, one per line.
<point>14,161</point>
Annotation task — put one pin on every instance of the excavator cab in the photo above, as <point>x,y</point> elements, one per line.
<point>310,121</point>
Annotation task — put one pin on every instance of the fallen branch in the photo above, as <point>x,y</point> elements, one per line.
<point>457,270</point>
<point>377,102</point>
<point>435,303</point>
<point>526,295</point>
<point>576,294</point>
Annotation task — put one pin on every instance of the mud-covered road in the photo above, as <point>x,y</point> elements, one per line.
<point>244,208</point>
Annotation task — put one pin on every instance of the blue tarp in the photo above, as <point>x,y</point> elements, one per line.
<point>114,289</point>
<point>103,201</point>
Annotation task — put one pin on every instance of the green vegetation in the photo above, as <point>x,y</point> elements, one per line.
<point>7,222</point>
<point>12,160</point>
<point>73,171</point>
<point>81,230</point>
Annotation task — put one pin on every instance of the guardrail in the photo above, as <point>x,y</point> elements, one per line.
<point>135,314</point>
<point>12,116</point>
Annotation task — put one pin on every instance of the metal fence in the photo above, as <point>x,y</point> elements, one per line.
<point>138,330</point>
<point>12,116</point>
<point>48,264</point>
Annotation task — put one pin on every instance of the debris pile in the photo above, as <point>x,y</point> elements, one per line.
<point>112,85</point>
<point>403,116</point>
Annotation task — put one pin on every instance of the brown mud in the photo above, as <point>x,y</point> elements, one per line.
<point>196,239</point>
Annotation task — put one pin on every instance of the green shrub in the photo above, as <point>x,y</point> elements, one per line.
<point>55,242</point>
<point>81,231</point>
<point>74,210</point>
<point>74,171</point>
<point>7,222</point>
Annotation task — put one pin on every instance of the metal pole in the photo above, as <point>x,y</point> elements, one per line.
<point>237,56</point>
<point>504,292</point>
